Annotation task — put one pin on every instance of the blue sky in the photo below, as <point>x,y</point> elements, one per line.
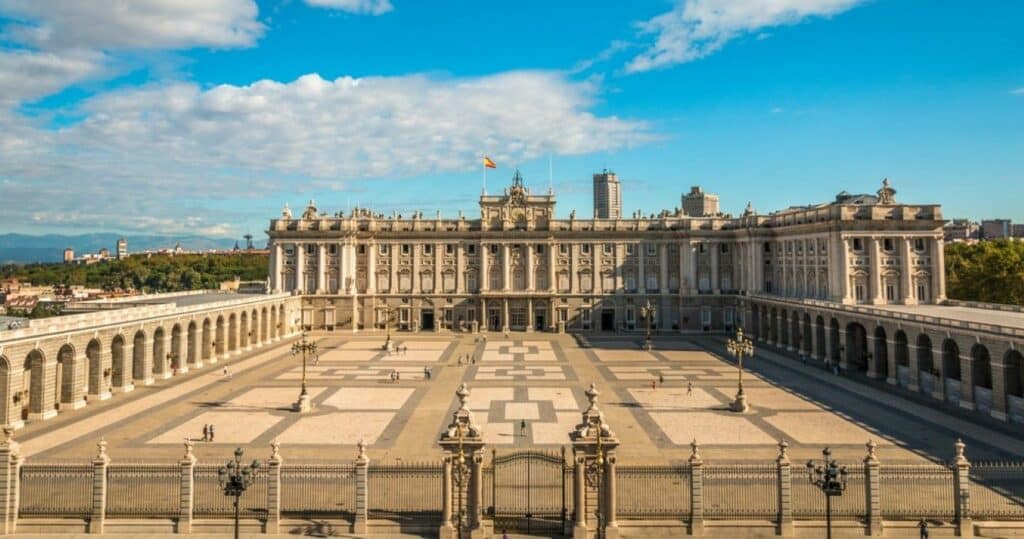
<point>206,116</point>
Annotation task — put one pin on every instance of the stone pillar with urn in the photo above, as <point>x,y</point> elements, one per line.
<point>463,445</point>
<point>593,448</point>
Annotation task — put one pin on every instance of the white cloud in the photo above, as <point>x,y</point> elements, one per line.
<point>1018,91</point>
<point>146,155</point>
<point>29,75</point>
<point>369,7</point>
<point>134,24</point>
<point>696,28</point>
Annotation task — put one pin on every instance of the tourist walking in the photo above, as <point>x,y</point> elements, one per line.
<point>206,433</point>
<point>654,384</point>
<point>661,379</point>
<point>522,427</point>
<point>689,388</point>
<point>211,433</point>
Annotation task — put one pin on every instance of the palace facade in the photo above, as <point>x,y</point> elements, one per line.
<point>518,267</point>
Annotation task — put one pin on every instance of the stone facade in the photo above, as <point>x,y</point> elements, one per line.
<point>518,267</point>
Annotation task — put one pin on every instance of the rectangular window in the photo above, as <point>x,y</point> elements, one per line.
<point>382,248</point>
<point>705,317</point>
<point>608,282</point>
<point>471,248</point>
<point>887,244</point>
<point>767,247</point>
<point>585,248</point>
<point>724,248</point>
<point>701,248</point>
<point>310,249</point>
<point>471,282</point>
<point>858,244</point>
<point>890,292</point>
<point>406,248</point>
<point>332,249</point>
<point>631,283</point>
<point>922,294</point>
<point>652,249</point>
<point>563,248</point>
<point>428,249</point>
<point>652,283</point>
<point>494,249</point>
<point>540,248</point>
<point>630,249</point>
<point>449,249</point>
<point>859,292</point>
<point>609,248</point>
<point>918,244</point>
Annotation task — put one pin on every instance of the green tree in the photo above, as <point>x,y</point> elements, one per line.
<point>988,271</point>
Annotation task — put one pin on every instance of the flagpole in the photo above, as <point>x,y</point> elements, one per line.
<point>484,191</point>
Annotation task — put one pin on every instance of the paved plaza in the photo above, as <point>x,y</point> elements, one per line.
<point>526,391</point>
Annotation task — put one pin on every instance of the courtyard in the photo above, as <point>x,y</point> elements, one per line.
<point>526,391</point>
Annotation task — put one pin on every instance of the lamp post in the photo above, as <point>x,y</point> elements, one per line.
<point>388,345</point>
<point>235,478</point>
<point>648,311</point>
<point>830,478</point>
<point>595,479</point>
<point>304,403</point>
<point>461,480</point>
<point>740,347</point>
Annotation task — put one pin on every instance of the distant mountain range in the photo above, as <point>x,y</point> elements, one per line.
<point>23,248</point>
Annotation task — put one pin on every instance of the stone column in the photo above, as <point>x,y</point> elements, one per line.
<point>186,498</point>
<point>938,271</point>
<point>460,269</point>
<point>300,267</point>
<point>785,485</point>
<point>476,496</point>
<point>663,268</point>
<point>463,441</point>
<point>683,283</point>
<point>915,373</point>
<point>447,530</point>
<point>696,491</point>
<point>580,497</point>
<point>371,268</point>
<point>618,254</point>
<point>196,350</point>
<point>716,249</point>
<point>694,284</point>
<point>504,315</point>
<point>438,260</point>
<point>611,509</point>
<point>574,266</point>
<point>875,256</point>
<point>506,266</point>
<point>872,361</point>
<point>362,465</point>
<point>342,269</point>
<point>843,271</point>
<point>529,273</point>
<point>321,268</point>
<point>813,330</point>
<point>9,463</point>
<point>873,491</point>
<point>529,315</point>
<point>485,275</point>
<point>906,273</point>
<point>276,285</point>
<point>416,288</point>
<point>641,255</point>
<point>393,248</point>
<point>828,343</point>
<point>165,361</point>
<point>274,464</point>
<point>962,492</point>
<point>552,283</point>
<point>890,356</point>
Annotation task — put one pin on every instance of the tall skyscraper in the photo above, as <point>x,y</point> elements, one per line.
<point>607,196</point>
<point>122,248</point>
<point>697,203</point>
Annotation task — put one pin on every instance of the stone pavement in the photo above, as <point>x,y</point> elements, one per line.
<point>526,391</point>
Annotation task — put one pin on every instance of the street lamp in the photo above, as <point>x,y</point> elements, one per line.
<point>461,480</point>
<point>595,478</point>
<point>648,311</point>
<point>388,345</point>
<point>830,478</point>
<point>235,478</point>
<point>302,347</point>
<point>740,347</point>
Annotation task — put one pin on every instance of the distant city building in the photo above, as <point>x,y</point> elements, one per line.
<point>122,248</point>
<point>697,203</point>
<point>69,254</point>
<point>1018,231</point>
<point>960,230</point>
<point>607,196</point>
<point>992,229</point>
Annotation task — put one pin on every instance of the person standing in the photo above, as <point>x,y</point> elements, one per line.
<point>522,427</point>
<point>654,384</point>
<point>689,388</point>
<point>206,433</point>
<point>661,379</point>
<point>211,433</point>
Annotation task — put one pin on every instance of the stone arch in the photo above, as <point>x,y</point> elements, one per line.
<point>950,359</point>
<point>117,362</point>
<point>159,351</point>
<point>243,331</point>
<point>881,353</point>
<point>856,346</point>
<point>819,330</point>
<point>901,349</point>
<point>176,351</point>
<point>833,329</point>
<point>807,335</point>
<point>925,361</point>
<point>206,348</point>
<point>33,399</point>
<point>1014,374</point>
<point>139,356</point>
<point>981,366</point>
<point>232,332</point>
<point>94,374</point>
<point>191,338</point>
<point>65,392</point>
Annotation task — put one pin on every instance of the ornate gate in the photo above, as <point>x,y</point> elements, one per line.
<point>528,491</point>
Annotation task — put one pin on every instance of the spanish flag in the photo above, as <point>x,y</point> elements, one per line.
<point>488,163</point>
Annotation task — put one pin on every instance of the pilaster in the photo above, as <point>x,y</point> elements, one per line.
<point>785,485</point>
<point>362,465</point>
<point>274,463</point>
<point>873,491</point>
<point>962,491</point>
<point>696,490</point>
<point>186,499</point>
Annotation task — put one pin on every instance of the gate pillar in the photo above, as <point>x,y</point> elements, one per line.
<point>463,445</point>
<point>593,448</point>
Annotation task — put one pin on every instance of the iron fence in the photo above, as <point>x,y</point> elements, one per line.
<point>318,490</point>
<point>741,491</point>
<point>407,490</point>
<point>997,490</point>
<point>143,490</point>
<point>210,501</point>
<point>56,490</point>
<point>916,491</point>
<point>809,501</point>
<point>653,492</point>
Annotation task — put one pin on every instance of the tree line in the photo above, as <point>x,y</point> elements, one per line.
<point>988,271</point>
